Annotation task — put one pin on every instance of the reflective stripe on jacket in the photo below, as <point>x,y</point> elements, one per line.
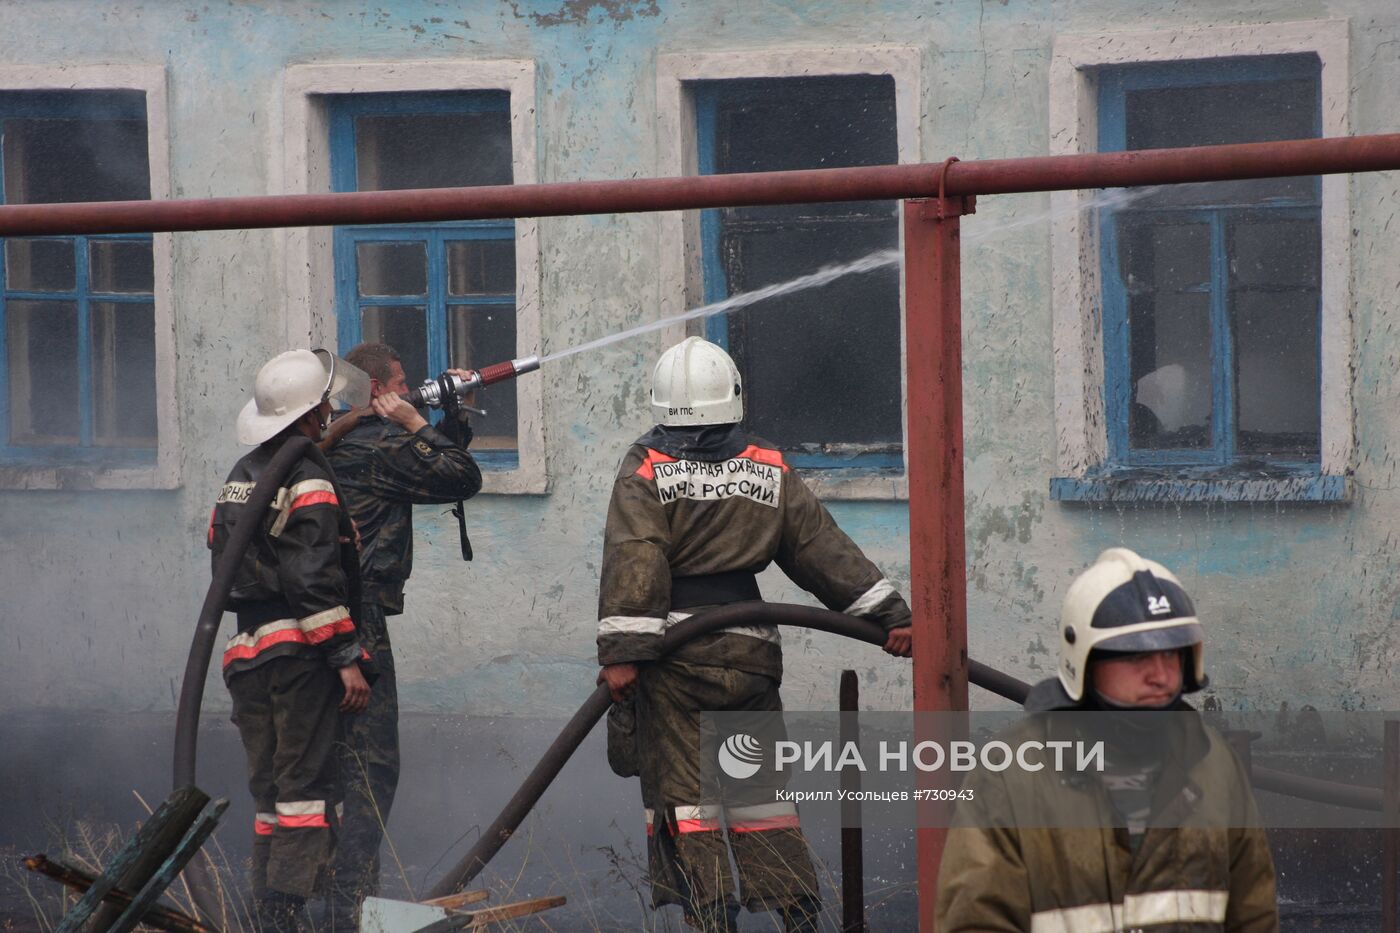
<point>291,592</point>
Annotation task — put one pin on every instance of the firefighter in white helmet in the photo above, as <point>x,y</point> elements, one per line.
<point>698,508</point>
<point>1167,837</point>
<point>294,662</point>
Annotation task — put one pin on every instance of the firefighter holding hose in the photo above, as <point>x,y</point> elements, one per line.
<point>1166,836</point>
<point>293,666</point>
<point>698,508</point>
<point>387,458</point>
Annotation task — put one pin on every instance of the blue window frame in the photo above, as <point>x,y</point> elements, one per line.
<point>77,313</point>
<point>1212,300</point>
<point>441,294</point>
<point>821,368</point>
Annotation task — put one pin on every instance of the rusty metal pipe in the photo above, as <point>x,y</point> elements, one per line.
<point>558,199</point>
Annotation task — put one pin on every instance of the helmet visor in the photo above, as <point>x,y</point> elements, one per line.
<point>345,383</point>
<point>1179,633</point>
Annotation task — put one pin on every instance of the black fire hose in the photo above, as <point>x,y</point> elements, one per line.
<point>207,628</point>
<point>702,623</point>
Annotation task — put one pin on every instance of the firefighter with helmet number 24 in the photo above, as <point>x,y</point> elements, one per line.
<point>1166,837</point>
<point>294,663</point>
<point>698,508</point>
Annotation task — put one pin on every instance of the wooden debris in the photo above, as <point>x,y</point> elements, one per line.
<point>479,918</point>
<point>162,918</point>
<point>455,901</point>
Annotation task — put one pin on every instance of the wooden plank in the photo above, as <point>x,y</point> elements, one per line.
<point>184,851</point>
<point>454,901</point>
<point>160,917</point>
<point>161,833</point>
<point>480,918</point>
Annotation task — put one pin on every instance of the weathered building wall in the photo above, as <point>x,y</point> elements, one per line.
<point>101,587</point>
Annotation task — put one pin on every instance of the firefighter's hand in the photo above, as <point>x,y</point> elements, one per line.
<point>901,641</point>
<point>356,689</point>
<point>469,398</point>
<point>621,680</point>
<point>356,541</point>
<point>393,408</point>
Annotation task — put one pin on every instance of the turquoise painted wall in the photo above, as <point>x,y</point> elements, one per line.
<point>101,588</point>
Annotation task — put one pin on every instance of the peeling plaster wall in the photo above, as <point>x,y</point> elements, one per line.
<point>101,588</point>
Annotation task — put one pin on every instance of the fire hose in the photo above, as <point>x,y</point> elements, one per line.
<point>207,629</point>
<point>593,709</point>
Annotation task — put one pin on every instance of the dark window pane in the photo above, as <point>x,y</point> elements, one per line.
<point>821,367</point>
<point>1170,348</point>
<point>123,373</point>
<point>121,266</point>
<point>480,335</point>
<point>795,123</point>
<point>784,124</point>
<point>404,329</point>
<point>432,150</point>
<point>1277,372</point>
<point>65,160</point>
<point>1273,255</point>
<point>392,268</point>
<point>39,265</point>
<point>481,267</point>
<point>1163,255</point>
<point>42,344</point>
<point>1218,114</point>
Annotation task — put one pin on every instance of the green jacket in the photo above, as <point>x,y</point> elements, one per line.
<point>1210,869</point>
<point>691,502</point>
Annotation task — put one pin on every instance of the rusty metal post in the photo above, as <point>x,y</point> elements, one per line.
<point>852,843</point>
<point>1390,805</point>
<point>937,555</point>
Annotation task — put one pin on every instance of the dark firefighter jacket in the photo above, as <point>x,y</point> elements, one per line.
<point>690,503</point>
<point>1206,868</point>
<point>384,472</point>
<point>291,592</point>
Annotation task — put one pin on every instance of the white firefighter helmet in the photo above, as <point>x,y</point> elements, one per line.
<point>291,384</point>
<point>696,382</point>
<point>1125,603</point>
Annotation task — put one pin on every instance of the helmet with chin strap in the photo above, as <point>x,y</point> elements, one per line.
<point>1126,604</point>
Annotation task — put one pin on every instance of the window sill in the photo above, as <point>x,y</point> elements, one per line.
<point>1148,484</point>
<point>508,473</point>
<point>496,460</point>
<point>856,484</point>
<point>82,476</point>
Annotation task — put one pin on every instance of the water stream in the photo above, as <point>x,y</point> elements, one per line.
<point>1114,197</point>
